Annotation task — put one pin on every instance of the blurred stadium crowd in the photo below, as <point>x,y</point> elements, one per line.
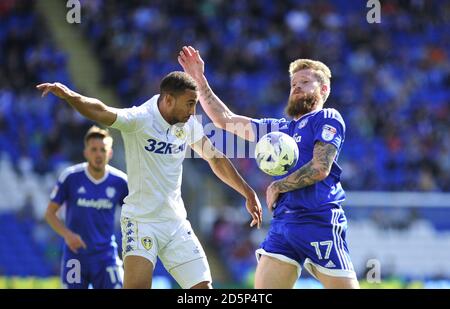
<point>391,83</point>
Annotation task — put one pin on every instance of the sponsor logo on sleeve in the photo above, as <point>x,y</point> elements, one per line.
<point>328,132</point>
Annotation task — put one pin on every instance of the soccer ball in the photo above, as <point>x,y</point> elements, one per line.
<point>276,153</point>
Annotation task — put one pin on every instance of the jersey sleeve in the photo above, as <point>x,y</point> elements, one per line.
<point>131,119</point>
<point>330,128</point>
<point>124,191</point>
<point>196,132</point>
<point>266,125</point>
<point>60,192</point>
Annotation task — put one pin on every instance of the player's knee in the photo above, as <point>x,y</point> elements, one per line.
<point>344,284</point>
<point>137,283</point>
<point>202,285</point>
<point>353,284</point>
<point>272,273</point>
<point>135,279</point>
<point>339,283</point>
<point>138,273</point>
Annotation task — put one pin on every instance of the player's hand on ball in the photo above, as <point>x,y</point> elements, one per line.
<point>254,208</point>
<point>192,63</point>
<point>58,89</point>
<point>74,242</point>
<point>272,194</point>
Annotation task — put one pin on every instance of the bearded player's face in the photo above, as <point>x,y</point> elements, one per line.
<point>305,93</point>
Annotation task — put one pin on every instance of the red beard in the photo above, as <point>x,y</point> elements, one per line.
<point>302,106</point>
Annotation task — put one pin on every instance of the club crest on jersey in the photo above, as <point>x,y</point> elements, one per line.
<point>328,132</point>
<point>303,123</point>
<point>147,242</point>
<point>179,132</point>
<point>110,192</point>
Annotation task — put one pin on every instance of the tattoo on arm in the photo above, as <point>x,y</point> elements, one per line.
<point>213,106</point>
<point>207,94</point>
<point>313,171</point>
<point>324,154</point>
<point>209,97</point>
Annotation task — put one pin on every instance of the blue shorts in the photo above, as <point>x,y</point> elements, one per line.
<point>102,271</point>
<point>314,238</point>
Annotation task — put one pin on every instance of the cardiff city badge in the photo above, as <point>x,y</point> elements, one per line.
<point>303,123</point>
<point>110,192</point>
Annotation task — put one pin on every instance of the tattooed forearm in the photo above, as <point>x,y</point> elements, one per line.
<point>324,154</point>
<point>213,106</point>
<point>305,176</point>
<point>208,97</point>
<point>315,170</point>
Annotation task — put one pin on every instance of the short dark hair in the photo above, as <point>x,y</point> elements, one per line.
<point>96,132</point>
<point>176,83</point>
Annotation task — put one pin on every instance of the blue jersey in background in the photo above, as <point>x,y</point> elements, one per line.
<point>90,208</point>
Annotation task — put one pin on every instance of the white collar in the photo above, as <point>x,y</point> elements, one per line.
<point>91,178</point>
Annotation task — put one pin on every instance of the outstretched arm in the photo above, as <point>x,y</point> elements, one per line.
<point>225,170</point>
<point>219,113</point>
<point>91,108</point>
<point>314,171</point>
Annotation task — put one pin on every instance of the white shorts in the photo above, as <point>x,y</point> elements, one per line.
<point>175,244</point>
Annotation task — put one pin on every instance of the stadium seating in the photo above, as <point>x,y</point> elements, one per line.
<point>390,82</point>
<point>21,255</point>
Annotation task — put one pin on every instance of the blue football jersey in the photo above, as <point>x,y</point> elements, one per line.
<point>324,125</point>
<point>90,205</point>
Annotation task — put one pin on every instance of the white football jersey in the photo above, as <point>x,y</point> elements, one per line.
<point>154,152</point>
